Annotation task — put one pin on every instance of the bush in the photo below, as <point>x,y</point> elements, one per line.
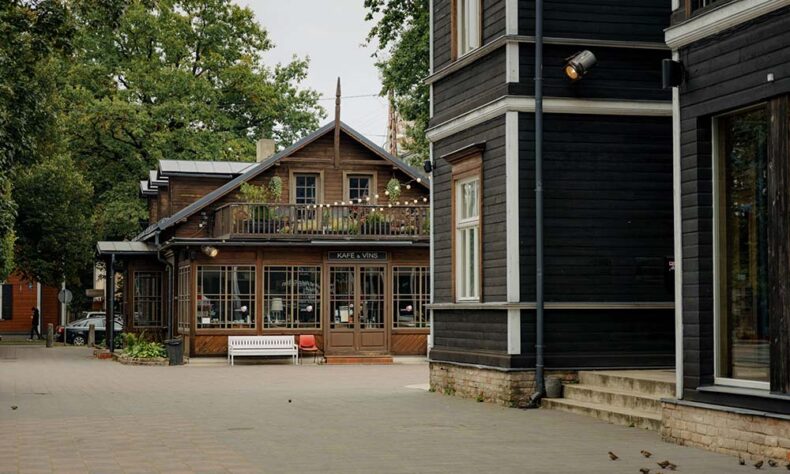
<point>137,347</point>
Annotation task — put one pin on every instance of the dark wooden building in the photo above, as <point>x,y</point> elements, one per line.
<point>607,186</point>
<point>327,237</point>
<point>732,169</point>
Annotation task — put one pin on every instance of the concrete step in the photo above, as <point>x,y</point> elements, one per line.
<point>615,415</point>
<point>359,360</point>
<point>612,397</point>
<point>653,383</point>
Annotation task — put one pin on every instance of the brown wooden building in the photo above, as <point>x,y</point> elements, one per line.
<point>332,241</point>
<point>18,296</point>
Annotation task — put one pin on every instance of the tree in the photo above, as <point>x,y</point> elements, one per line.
<point>54,223</point>
<point>32,33</point>
<point>402,33</point>
<point>173,79</point>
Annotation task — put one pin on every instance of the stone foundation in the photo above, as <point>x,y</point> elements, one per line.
<point>510,389</point>
<point>751,436</point>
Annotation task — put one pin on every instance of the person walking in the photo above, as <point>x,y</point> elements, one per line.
<point>34,318</point>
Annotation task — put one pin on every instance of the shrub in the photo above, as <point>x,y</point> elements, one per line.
<point>137,347</point>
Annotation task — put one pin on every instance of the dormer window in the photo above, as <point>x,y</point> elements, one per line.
<point>466,26</point>
<point>359,186</point>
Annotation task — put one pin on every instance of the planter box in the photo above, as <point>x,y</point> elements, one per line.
<point>126,360</point>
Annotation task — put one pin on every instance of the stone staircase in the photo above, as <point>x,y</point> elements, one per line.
<point>622,397</point>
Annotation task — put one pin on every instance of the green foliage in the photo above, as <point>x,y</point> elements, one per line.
<point>401,31</point>
<point>137,347</point>
<point>393,189</point>
<point>7,234</point>
<point>176,79</point>
<point>253,194</point>
<point>54,222</point>
<point>276,188</point>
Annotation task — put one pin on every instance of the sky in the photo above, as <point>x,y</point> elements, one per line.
<point>332,33</point>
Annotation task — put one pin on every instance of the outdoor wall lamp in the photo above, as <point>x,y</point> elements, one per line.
<point>210,251</point>
<point>579,64</point>
<point>671,73</point>
<point>427,166</point>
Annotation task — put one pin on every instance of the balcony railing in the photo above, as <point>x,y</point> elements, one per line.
<point>312,221</point>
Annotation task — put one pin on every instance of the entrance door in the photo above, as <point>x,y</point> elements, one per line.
<point>357,322</point>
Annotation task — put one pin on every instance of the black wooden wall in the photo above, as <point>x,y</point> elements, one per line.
<point>493,27</point>
<point>494,285</point>
<point>472,86</point>
<point>724,72</point>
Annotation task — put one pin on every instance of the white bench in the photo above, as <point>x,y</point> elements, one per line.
<point>262,346</point>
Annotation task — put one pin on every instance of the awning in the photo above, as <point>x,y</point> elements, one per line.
<point>125,248</point>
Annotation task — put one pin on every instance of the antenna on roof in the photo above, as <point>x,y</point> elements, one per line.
<point>337,125</point>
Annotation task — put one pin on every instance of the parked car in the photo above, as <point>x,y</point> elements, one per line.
<point>93,315</point>
<point>76,332</point>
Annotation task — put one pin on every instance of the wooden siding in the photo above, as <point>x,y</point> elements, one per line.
<point>470,87</point>
<point>619,74</point>
<point>601,339</point>
<point>23,298</point>
<point>723,72</point>
<point>493,282</point>
<point>414,343</point>
<point>474,330</point>
<point>607,207</point>
<point>620,20</point>
<point>315,158</point>
<point>493,23</point>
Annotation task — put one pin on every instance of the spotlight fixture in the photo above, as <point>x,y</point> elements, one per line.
<point>210,251</point>
<point>427,166</point>
<point>579,64</point>
<point>671,73</point>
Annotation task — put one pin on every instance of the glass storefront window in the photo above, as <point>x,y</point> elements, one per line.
<point>410,293</point>
<point>292,297</point>
<point>225,297</point>
<point>744,343</point>
<point>184,282</point>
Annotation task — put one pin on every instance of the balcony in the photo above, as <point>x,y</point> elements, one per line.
<point>321,221</point>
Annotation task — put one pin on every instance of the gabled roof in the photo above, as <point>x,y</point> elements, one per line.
<point>145,190</point>
<point>258,168</point>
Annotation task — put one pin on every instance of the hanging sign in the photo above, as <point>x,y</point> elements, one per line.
<point>357,256</point>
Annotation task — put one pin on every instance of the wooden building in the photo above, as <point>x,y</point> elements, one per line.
<point>607,186</point>
<point>327,237</point>
<point>732,172</point>
<point>18,296</point>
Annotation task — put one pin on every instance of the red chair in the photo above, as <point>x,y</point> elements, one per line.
<point>307,344</point>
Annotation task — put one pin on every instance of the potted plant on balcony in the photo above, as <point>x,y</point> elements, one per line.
<point>375,222</point>
<point>393,189</point>
<point>263,217</point>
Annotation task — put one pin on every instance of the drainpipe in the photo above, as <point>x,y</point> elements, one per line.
<point>169,292</point>
<point>539,382</point>
<point>109,304</point>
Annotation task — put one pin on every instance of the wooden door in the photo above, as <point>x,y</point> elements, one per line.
<point>356,319</point>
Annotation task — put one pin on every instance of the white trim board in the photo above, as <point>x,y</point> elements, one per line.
<point>678,237</point>
<point>513,266</point>
<point>551,105</point>
<point>719,19</point>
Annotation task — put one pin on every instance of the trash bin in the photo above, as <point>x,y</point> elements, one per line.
<point>175,351</point>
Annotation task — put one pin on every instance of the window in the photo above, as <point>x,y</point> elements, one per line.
<point>306,189</point>
<point>147,299</point>
<point>7,302</point>
<point>467,238</point>
<point>225,297</point>
<point>411,288</point>
<point>743,337</point>
<point>359,188</point>
<point>467,26</point>
<point>184,282</point>
<point>292,297</point>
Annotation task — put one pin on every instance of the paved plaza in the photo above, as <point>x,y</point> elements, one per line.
<point>77,414</point>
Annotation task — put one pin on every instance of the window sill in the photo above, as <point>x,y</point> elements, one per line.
<point>749,392</point>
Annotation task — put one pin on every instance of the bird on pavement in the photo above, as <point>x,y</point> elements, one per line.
<point>758,465</point>
<point>741,461</point>
<point>772,463</point>
<point>664,464</point>
<point>644,470</point>
<point>613,456</point>
<point>646,454</point>
<point>14,407</point>
<point>672,467</point>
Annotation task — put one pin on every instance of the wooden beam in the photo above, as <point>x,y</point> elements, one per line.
<point>337,125</point>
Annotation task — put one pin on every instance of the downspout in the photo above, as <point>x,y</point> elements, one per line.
<point>169,292</point>
<point>539,380</point>
<point>109,306</point>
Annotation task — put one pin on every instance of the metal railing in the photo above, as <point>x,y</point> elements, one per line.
<point>312,221</point>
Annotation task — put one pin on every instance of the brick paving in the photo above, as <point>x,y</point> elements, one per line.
<point>78,414</point>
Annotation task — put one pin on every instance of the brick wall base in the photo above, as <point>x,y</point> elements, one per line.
<point>750,436</point>
<point>510,389</point>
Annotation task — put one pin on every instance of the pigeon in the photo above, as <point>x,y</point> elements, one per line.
<point>646,454</point>
<point>289,400</point>
<point>613,456</point>
<point>644,470</point>
<point>758,465</point>
<point>14,407</point>
<point>772,463</point>
<point>664,464</point>
<point>672,467</point>
<point>741,461</point>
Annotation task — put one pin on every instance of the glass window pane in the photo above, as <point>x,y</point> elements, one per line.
<point>745,307</point>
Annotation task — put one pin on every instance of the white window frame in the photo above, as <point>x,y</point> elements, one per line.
<point>468,15</point>
<point>718,232</point>
<point>462,225</point>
